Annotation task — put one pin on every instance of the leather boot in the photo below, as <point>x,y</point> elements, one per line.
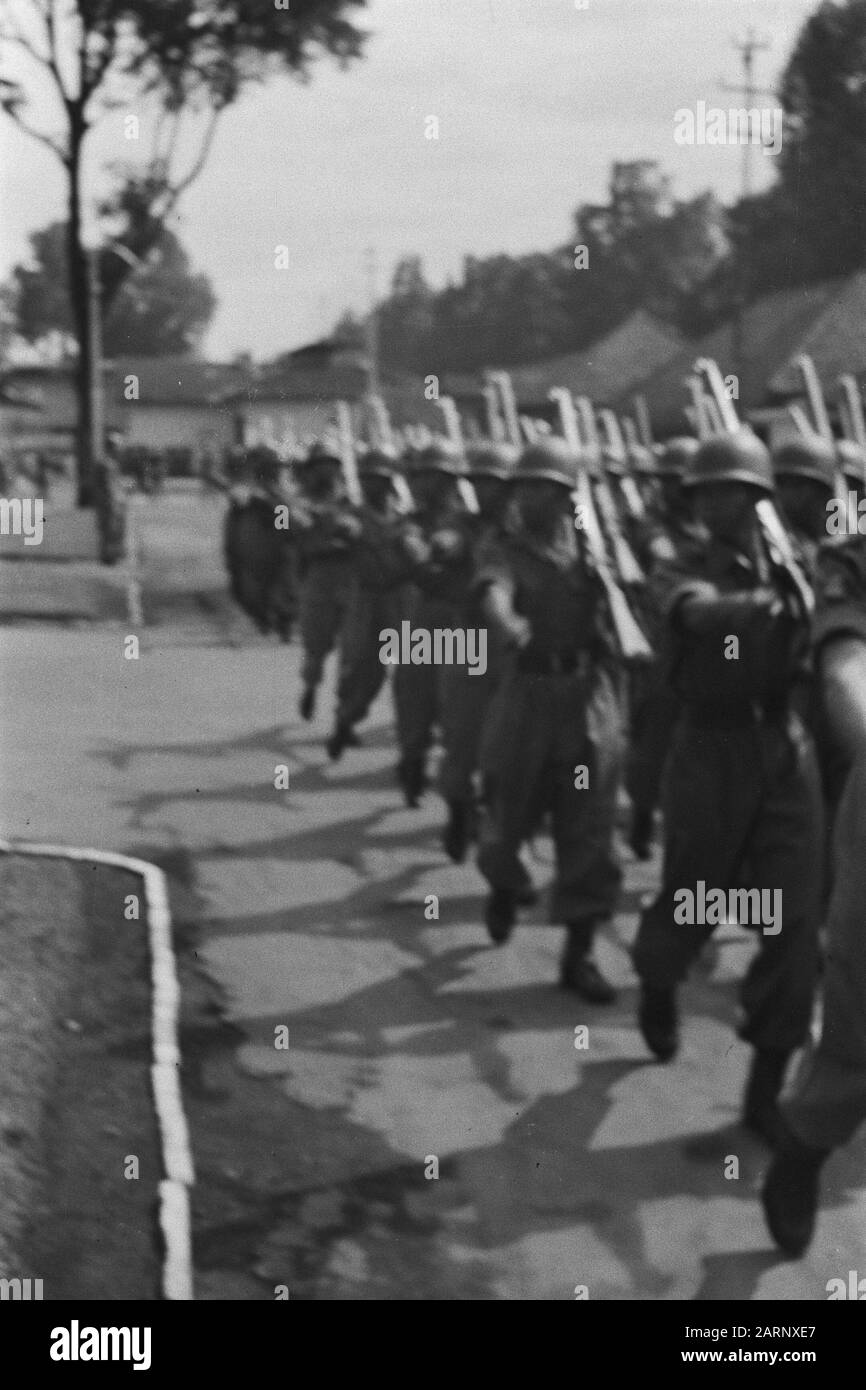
<point>760,1110</point>
<point>307,706</point>
<point>640,834</point>
<point>456,835</point>
<point>411,776</point>
<point>658,1020</point>
<point>578,971</point>
<point>790,1192</point>
<point>500,915</point>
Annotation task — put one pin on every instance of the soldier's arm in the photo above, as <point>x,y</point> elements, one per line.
<point>495,584</point>
<point>840,638</point>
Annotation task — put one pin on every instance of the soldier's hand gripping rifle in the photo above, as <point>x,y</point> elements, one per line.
<point>455,435</point>
<point>624,558</point>
<point>631,642</point>
<point>777,538</point>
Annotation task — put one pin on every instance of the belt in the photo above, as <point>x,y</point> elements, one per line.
<point>744,712</point>
<point>532,663</point>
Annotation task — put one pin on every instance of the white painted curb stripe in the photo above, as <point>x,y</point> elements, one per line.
<point>174,1215</point>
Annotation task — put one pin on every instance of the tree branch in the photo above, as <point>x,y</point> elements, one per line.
<point>57,149</point>
<point>198,164</point>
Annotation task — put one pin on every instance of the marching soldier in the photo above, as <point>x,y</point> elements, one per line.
<point>670,528</point>
<point>554,738</point>
<point>465,696</point>
<point>326,528</point>
<point>384,558</point>
<point>742,794</point>
<point>440,577</point>
<point>805,473</point>
<point>827,1102</point>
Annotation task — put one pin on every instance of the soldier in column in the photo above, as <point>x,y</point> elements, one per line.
<point>466,696</point>
<point>326,528</point>
<point>554,730</point>
<point>742,797</point>
<point>386,553</point>
<point>428,602</point>
<point>826,1103</point>
<point>670,526</point>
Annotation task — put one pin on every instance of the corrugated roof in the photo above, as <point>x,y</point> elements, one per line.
<point>603,370</point>
<point>826,320</point>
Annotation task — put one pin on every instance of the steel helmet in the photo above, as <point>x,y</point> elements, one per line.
<point>852,461</point>
<point>491,461</point>
<point>441,457</point>
<point>803,457</point>
<point>321,453</point>
<point>375,463</point>
<point>677,456</point>
<point>551,460</point>
<point>732,458</point>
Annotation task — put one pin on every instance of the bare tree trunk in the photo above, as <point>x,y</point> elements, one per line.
<point>78,292</point>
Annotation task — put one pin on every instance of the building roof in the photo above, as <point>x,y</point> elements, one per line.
<point>602,371</point>
<point>825,320</point>
<point>175,381</point>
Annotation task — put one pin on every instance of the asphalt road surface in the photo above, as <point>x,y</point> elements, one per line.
<point>414,1046</point>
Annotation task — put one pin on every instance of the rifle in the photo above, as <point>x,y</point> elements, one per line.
<point>384,438</point>
<point>617,445</point>
<point>502,381</point>
<point>818,407</point>
<point>455,434</point>
<point>854,402</point>
<point>776,537</point>
<point>641,410</point>
<point>632,644</point>
<point>347,453</point>
<point>495,426</point>
<point>624,558</point>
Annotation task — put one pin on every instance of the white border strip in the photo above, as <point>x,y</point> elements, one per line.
<point>174,1214</point>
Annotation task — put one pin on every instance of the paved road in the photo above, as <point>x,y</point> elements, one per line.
<point>409,1039</point>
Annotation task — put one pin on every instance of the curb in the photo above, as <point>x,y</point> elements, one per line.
<point>174,1212</point>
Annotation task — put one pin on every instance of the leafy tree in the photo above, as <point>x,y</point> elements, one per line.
<point>160,308</point>
<point>188,59</point>
<point>822,169</point>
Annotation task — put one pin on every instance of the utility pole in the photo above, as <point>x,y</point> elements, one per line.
<point>371,263</point>
<point>747,48</point>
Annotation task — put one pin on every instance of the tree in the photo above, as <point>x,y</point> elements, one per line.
<point>187,59</point>
<point>823,157</point>
<point>160,308</point>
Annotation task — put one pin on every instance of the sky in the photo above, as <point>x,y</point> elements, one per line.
<point>534,99</point>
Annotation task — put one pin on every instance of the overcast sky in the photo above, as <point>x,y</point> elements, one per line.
<point>534,98</point>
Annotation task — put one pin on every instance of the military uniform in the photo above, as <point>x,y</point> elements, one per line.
<point>326,528</point>
<point>668,532</point>
<point>742,795</point>
<point>466,694</point>
<point>385,555</point>
<point>429,601</point>
<point>554,737</point>
<point>826,1103</point>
